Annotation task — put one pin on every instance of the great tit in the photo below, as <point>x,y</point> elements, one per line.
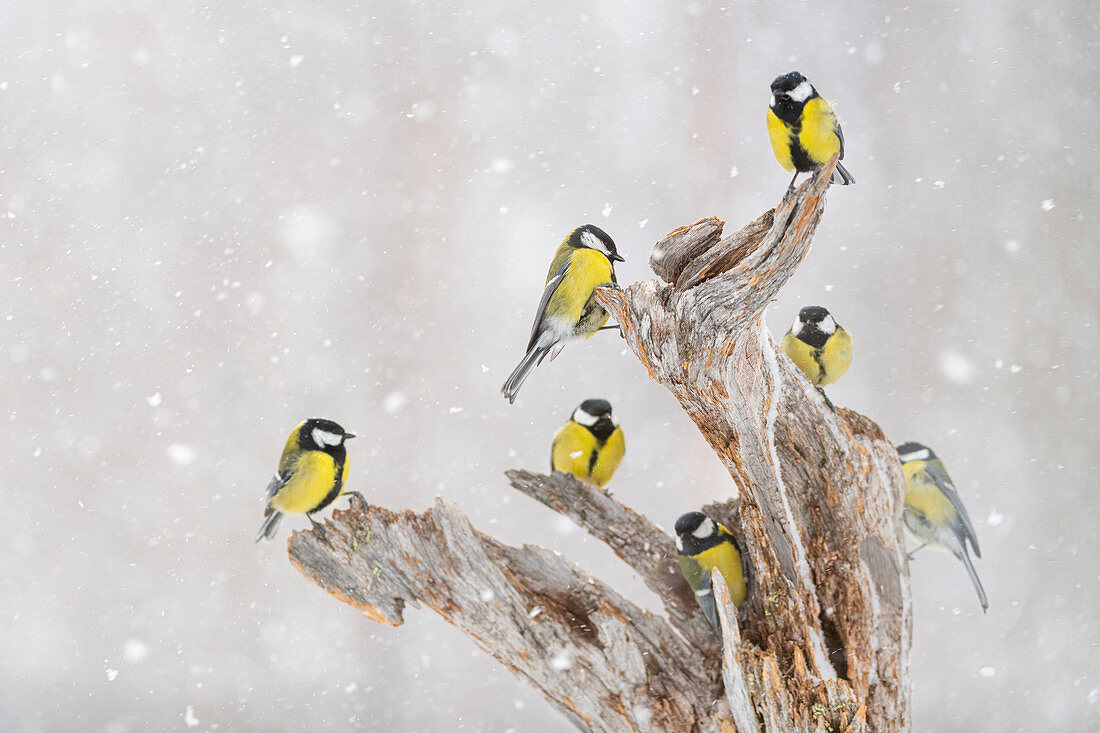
<point>803,129</point>
<point>568,310</point>
<point>703,544</point>
<point>818,345</point>
<point>590,446</point>
<point>934,515</point>
<point>312,473</point>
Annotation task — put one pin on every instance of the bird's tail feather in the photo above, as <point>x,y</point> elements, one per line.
<point>519,374</point>
<point>709,604</point>
<point>841,176</point>
<point>270,525</point>
<point>965,557</point>
<point>710,609</point>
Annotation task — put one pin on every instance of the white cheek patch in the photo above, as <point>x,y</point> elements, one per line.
<point>917,455</point>
<point>324,437</point>
<point>802,92</point>
<point>582,417</point>
<point>679,544</point>
<point>827,325</point>
<point>591,240</point>
<point>704,530</point>
<point>772,104</point>
<point>797,327</point>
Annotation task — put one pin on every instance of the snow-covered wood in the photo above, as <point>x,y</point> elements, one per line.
<point>822,641</point>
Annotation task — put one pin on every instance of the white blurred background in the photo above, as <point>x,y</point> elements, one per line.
<point>216,221</point>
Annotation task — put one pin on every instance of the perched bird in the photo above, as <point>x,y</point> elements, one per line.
<point>703,544</point>
<point>818,345</point>
<point>803,129</point>
<point>590,446</point>
<point>568,311</point>
<point>934,515</point>
<point>312,473</point>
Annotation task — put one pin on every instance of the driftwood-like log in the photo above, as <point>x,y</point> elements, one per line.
<point>822,641</point>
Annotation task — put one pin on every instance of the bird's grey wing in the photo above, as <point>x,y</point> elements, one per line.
<point>278,481</point>
<point>938,473</point>
<point>705,597</point>
<point>551,285</point>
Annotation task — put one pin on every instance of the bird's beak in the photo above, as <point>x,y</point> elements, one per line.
<point>349,436</point>
<point>617,258</point>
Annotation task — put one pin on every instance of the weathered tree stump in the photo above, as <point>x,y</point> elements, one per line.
<point>821,643</point>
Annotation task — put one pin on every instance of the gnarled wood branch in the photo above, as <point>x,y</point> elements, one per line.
<point>821,643</point>
<point>605,663</point>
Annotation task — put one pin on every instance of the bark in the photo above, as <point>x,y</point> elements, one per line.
<point>822,641</point>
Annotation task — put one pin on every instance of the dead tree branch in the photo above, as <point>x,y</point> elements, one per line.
<point>821,643</point>
<point>605,663</point>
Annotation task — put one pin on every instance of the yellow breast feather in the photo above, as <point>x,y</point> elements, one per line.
<point>780,136</point>
<point>725,557</point>
<point>609,457</point>
<point>923,495</point>
<point>818,134</point>
<point>802,354</point>
<point>588,269</point>
<point>572,450</point>
<point>836,355</point>
<point>312,478</point>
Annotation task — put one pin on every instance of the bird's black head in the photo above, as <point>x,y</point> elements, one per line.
<point>814,325</point>
<point>696,532</point>
<point>787,83</point>
<point>325,435</point>
<point>913,451</point>
<point>789,93</point>
<point>591,236</point>
<point>595,415</point>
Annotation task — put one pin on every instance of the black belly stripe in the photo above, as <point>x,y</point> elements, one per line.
<point>818,353</point>
<point>592,459</point>
<point>800,158</point>
<point>334,492</point>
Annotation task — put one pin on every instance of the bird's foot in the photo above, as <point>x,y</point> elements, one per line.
<point>363,505</point>
<point>616,327</point>
<point>319,530</point>
<point>827,400</point>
